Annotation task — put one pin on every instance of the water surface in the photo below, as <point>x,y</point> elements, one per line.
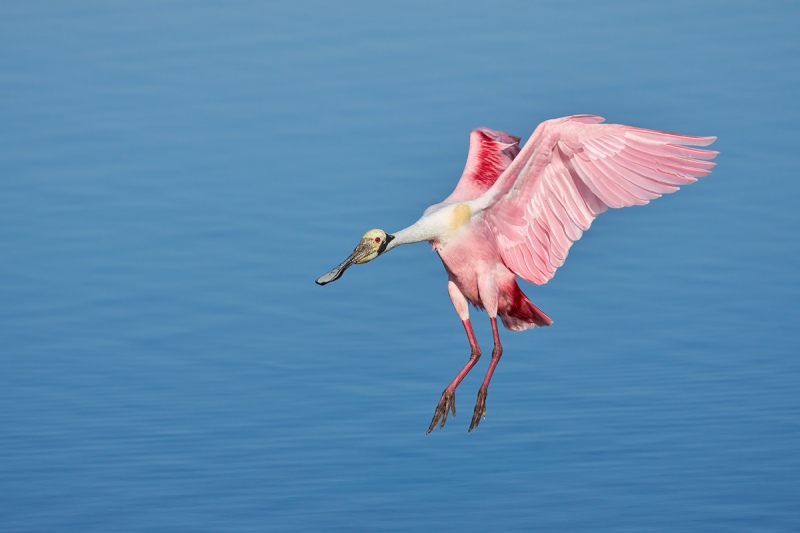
<point>175,176</point>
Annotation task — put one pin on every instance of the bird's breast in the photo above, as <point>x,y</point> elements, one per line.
<point>468,255</point>
<point>460,217</point>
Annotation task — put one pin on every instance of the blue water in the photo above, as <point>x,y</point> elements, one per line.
<point>176,175</point>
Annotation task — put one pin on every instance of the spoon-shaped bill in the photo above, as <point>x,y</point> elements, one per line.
<point>334,274</point>
<point>361,251</point>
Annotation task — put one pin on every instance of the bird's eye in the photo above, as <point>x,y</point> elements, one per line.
<point>377,239</point>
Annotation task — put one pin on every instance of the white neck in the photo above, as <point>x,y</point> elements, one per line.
<point>438,223</point>
<point>422,230</point>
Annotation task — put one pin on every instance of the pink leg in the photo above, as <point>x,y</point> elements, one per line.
<point>480,404</point>
<point>447,402</point>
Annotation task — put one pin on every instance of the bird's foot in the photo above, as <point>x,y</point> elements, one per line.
<point>447,403</point>
<point>480,409</point>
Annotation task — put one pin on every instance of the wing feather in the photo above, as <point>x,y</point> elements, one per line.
<point>490,153</point>
<point>570,171</point>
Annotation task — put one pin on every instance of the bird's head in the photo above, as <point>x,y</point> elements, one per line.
<point>373,244</point>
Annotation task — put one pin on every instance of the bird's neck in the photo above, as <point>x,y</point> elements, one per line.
<point>417,232</point>
<point>438,225</point>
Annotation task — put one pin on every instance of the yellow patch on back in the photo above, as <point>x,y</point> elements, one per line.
<point>461,215</point>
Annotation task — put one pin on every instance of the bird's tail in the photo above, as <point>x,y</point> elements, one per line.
<point>521,314</point>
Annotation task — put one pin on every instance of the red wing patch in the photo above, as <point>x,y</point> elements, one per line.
<point>490,153</point>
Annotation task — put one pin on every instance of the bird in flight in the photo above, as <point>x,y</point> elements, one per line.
<point>516,212</point>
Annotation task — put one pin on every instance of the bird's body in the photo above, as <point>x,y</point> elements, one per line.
<point>471,260</point>
<point>516,212</point>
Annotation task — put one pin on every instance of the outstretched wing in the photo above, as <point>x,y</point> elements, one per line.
<point>490,153</point>
<point>571,170</point>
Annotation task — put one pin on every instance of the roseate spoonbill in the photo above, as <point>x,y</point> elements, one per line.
<point>516,212</point>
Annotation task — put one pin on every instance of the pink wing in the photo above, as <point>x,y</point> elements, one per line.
<point>490,153</point>
<point>571,170</point>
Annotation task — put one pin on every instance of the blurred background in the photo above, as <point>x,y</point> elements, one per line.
<point>175,175</point>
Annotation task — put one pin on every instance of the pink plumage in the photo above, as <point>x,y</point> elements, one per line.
<point>516,213</point>
<point>490,153</point>
<point>571,170</point>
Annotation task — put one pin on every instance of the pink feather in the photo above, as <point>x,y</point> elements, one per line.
<point>571,170</point>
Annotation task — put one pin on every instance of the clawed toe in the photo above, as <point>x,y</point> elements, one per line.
<point>447,403</point>
<point>480,409</point>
